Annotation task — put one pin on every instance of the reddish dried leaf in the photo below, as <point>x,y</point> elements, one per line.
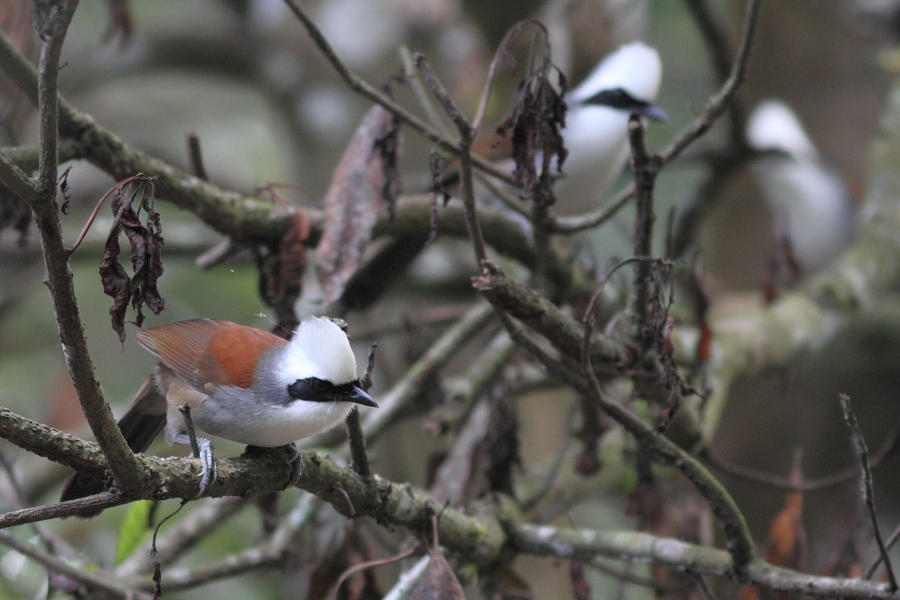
<point>365,180</point>
<point>786,534</point>
<point>282,280</point>
<point>119,20</point>
<point>787,537</point>
<point>704,343</point>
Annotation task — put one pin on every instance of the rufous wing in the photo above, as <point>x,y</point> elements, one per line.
<point>207,351</point>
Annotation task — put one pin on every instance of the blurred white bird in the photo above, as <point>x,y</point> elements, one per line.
<point>596,133</point>
<point>812,210</point>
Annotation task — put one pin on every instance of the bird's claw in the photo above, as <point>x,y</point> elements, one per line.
<point>208,468</point>
<point>296,462</point>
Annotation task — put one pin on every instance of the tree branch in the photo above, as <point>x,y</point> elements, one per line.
<point>125,468</point>
<point>667,552</point>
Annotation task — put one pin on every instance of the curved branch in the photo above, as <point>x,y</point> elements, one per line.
<point>667,552</point>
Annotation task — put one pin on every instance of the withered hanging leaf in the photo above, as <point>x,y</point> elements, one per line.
<point>787,536</point>
<point>533,124</point>
<point>438,582</point>
<point>129,197</point>
<point>365,180</point>
<point>282,275</point>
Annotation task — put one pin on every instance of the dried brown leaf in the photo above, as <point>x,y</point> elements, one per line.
<point>787,536</point>
<point>438,582</point>
<point>365,180</point>
<point>64,189</point>
<point>282,279</point>
<point>128,198</point>
<point>534,127</point>
<point>119,20</point>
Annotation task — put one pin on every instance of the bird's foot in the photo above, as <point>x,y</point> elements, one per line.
<point>208,469</point>
<point>296,462</point>
<point>201,448</point>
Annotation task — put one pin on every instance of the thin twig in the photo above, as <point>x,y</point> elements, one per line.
<point>196,156</point>
<point>862,453</point>
<point>360,86</point>
<point>16,180</point>
<point>80,574</point>
<point>358,456</point>
<point>91,504</point>
<point>396,400</point>
<point>721,100</point>
<point>368,565</point>
<point>204,520</point>
<point>466,137</point>
<point>576,223</point>
<point>646,168</point>
<point>887,450</point>
<point>124,465</point>
<point>715,32</point>
<point>415,82</point>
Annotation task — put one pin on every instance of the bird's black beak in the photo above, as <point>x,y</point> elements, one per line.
<point>619,99</point>
<point>651,111</point>
<point>358,396</point>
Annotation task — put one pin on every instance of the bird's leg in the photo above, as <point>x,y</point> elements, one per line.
<point>296,462</point>
<point>201,448</point>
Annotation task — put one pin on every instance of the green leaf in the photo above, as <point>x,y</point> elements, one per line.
<point>135,529</point>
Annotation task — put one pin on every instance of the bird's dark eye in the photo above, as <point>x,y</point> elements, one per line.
<point>299,389</point>
<point>321,386</point>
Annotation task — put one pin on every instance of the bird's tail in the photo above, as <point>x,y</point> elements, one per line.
<point>139,426</point>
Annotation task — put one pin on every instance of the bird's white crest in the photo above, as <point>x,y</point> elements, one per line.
<point>634,67</point>
<point>318,349</point>
<point>774,126</point>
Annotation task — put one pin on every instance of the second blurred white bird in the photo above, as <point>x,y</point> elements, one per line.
<point>811,207</point>
<point>596,133</point>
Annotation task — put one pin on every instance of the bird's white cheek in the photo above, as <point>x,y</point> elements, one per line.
<point>311,418</point>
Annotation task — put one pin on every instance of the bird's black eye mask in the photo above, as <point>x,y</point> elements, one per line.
<point>313,389</point>
<point>619,99</point>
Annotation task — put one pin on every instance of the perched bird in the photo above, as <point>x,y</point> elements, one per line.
<point>240,383</point>
<point>596,133</point>
<point>812,210</point>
